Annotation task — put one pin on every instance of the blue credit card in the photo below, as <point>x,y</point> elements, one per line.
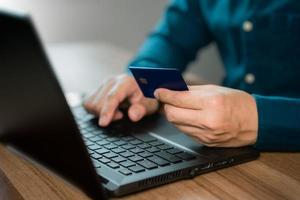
<point>150,79</point>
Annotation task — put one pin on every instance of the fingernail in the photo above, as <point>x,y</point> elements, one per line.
<point>156,94</point>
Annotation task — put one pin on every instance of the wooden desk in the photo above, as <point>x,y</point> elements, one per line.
<point>272,176</point>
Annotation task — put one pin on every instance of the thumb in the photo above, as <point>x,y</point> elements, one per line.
<point>165,95</point>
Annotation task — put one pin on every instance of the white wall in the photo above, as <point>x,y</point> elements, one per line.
<point>123,23</point>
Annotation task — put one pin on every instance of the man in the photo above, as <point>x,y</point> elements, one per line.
<point>259,43</point>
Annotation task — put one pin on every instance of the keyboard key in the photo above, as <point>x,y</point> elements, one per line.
<point>97,132</point>
<point>102,151</point>
<point>89,129</point>
<point>112,139</point>
<point>168,157</point>
<point>135,142</point>
<point>94,147</point>
<point>88,143</point>
<point>158,160</point>
<point>120,143</point>
<point>110,155</point>
<point>84,125</point>
<point>96,156</point>
<point>110,146</point>
<point>128,146</point>
<point>102,142</point>
<point>127,163</point>
<point>127,138</point>
<point>136,169</point>
<point>165,147</point>
<point>147,164</point>
<point>88,135</point>
<point>90,151</point>
<point>95,138</point>
<point>145,154</point>
<point>127,154</point>
<point>136,150</point>
<point>92,128</point>
<point>113,165</point>
<point>145,137</point>
<point>126,172</point>
<point>118,159</point>
<point>118,150</point>
<point>174,151</point>
<point>153,149</point>
<point>104,160</point>
<point>136,158</point>
<point>156,143</point>
<point>185,156</point>
<point>102,135</point>
<point>144,146</point>
<point>96,163</point>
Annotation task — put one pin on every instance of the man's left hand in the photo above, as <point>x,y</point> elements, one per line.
<point>213,115</point>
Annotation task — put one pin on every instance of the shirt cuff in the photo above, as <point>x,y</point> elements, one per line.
<point>277,126</point>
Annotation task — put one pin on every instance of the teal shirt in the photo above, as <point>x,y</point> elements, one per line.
<point>257,39</point>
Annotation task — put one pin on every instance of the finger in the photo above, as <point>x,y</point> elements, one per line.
<point>113,99</point>
<point>183,99</point>
<point>108,111</point>
<point>184,116</point>
<point>205,135</point>
<point>136,96</point>
<point>95,102</point>
<point>208,144</point>
<point>136,112</point>
<point>118,115</point>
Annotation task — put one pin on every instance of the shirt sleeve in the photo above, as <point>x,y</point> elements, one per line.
<point>176,39</point>
<point>279,123</point>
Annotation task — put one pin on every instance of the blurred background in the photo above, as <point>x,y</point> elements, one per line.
<point>122,24</point>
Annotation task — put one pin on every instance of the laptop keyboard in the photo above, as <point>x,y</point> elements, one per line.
<point>127,154</point>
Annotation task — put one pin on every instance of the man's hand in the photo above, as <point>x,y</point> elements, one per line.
<point>213,115</point>
<point>112,93</point>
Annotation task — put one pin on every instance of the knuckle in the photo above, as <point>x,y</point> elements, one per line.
<point>217,100</point>
<point>217,121</point>
<point>204,140</point>
<point>88,104</point>
<point>111,95</point>
<point>212,137</point>
<point>208,140</point>
<point>98,108</point>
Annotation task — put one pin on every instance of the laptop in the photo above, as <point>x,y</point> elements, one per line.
<point>123,158</point>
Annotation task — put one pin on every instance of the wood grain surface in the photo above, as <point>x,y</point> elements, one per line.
<point>272,176</point>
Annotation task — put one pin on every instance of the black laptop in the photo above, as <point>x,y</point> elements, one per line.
<point>126,157</point>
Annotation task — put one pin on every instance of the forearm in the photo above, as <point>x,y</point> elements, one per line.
<point>176,39</point>
<point>279,123</point>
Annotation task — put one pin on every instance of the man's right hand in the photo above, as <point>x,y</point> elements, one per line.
<point>106,102</point>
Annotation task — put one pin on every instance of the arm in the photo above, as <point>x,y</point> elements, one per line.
<point>279,123</point>
<point>176,38</point>
<point>223,117</point>
<point>173,43</point>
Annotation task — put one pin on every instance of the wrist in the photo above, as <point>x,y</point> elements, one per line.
<point>248,116</point>
<point>253,120</point>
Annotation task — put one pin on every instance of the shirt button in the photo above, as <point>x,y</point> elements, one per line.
<point>249,78</point>
<point>247,26</point>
